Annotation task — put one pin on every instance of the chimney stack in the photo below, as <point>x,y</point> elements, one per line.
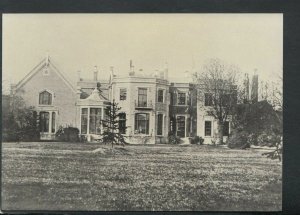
<point>95,73</point>
<point>131,73</point>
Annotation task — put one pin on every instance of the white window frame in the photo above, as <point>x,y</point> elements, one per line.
<point>52,98</point>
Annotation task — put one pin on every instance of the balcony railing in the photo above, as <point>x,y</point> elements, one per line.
<point>143,105</point>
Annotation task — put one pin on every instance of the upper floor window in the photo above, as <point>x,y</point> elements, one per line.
<point>142,97</point>
<point>208,99</point>
<point>160,95</point>
<point>45,98</point>
<point>226,99</point>
<point>123,94</point>
<point>181,98</point>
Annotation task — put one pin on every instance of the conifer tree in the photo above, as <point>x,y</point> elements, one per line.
<point>111,126</point>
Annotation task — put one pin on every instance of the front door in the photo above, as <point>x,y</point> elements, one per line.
<point>180,126</point>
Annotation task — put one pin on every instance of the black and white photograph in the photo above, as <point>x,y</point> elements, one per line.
<point>142,112</point>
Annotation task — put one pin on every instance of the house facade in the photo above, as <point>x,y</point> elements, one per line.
<point>151,106</point>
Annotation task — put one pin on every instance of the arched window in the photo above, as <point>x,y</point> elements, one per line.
<point>45,98</point>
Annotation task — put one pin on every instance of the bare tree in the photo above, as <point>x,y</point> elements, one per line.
<point>219,84</point>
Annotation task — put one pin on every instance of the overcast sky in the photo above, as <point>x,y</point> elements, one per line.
<point>183,41</point>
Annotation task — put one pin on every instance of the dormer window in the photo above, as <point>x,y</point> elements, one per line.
<point>45,98</point>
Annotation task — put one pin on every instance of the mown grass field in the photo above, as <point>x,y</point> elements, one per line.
<point>71,176</point>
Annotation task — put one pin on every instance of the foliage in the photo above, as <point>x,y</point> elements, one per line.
<point>238,139</point>
<point>257,124</point>
<point>173,139</point>
<point>197,140</point>
<point>19,122</point>
<point>67,134</point>
<point>112,134</point>
<point>277,153</point>
<point>218,81</point>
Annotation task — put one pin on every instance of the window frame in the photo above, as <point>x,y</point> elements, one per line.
<point>93,120</point>
<point>160,127</point>
<point>228,129</point>
<point>160,98</point>
<point>205,134</point>
<point>122,123</point>
<point>121,97</point>
<point>144,97</point>
<point>208,103</point>
<point>185,124</point>
<point>178,98</point>
<point>138,121</point>
<point>51,96</point>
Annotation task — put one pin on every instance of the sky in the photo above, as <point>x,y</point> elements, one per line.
<point>183,42</point>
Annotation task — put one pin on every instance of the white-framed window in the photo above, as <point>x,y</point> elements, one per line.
<point>207,128</point>
<point>45,98</point>
<point>47,121</point>
<point>123,94</point>
<point>90,122</point>
<point>181,98</point>
<point>160,95</point>
<point>142,97</point>
<point>141,123</point>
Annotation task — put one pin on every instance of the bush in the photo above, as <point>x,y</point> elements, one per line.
<point>238,140</point>
<point>67,134</point>
<point>173,139</point>
<point>197,140</point>
<point>270,139</point>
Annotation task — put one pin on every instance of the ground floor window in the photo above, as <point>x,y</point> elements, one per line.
<point>122,123</point>
<point>84,120</point>
<point>159,124</point>
<point>142,123</point>
<point>226,128</point>
<point>95,120</point>
<point>207,128</point>
<point>180,126</point>
<point>53,122</point>
<point>44,121</point>
<point>91,120</point>
<point>47,120</point>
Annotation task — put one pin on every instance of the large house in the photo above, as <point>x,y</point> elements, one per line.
<point>151,106</point>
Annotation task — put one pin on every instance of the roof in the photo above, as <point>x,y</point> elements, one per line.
<point>96,98</point>
<point>45,62</point>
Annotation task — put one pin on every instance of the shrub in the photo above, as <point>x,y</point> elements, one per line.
<point>67,134</point>
<point>238,140</point>
<point>197,140</point>
<point>173,139</point>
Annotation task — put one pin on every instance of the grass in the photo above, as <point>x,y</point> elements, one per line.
<point>69,176</point>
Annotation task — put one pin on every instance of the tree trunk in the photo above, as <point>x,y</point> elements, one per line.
<point>220,133</point>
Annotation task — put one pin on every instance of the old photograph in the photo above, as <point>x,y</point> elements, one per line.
<point>142,112</point>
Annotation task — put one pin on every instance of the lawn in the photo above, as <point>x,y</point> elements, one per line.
<point>71,176</point>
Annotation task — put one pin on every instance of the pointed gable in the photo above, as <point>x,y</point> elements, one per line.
<point>46,67</point>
